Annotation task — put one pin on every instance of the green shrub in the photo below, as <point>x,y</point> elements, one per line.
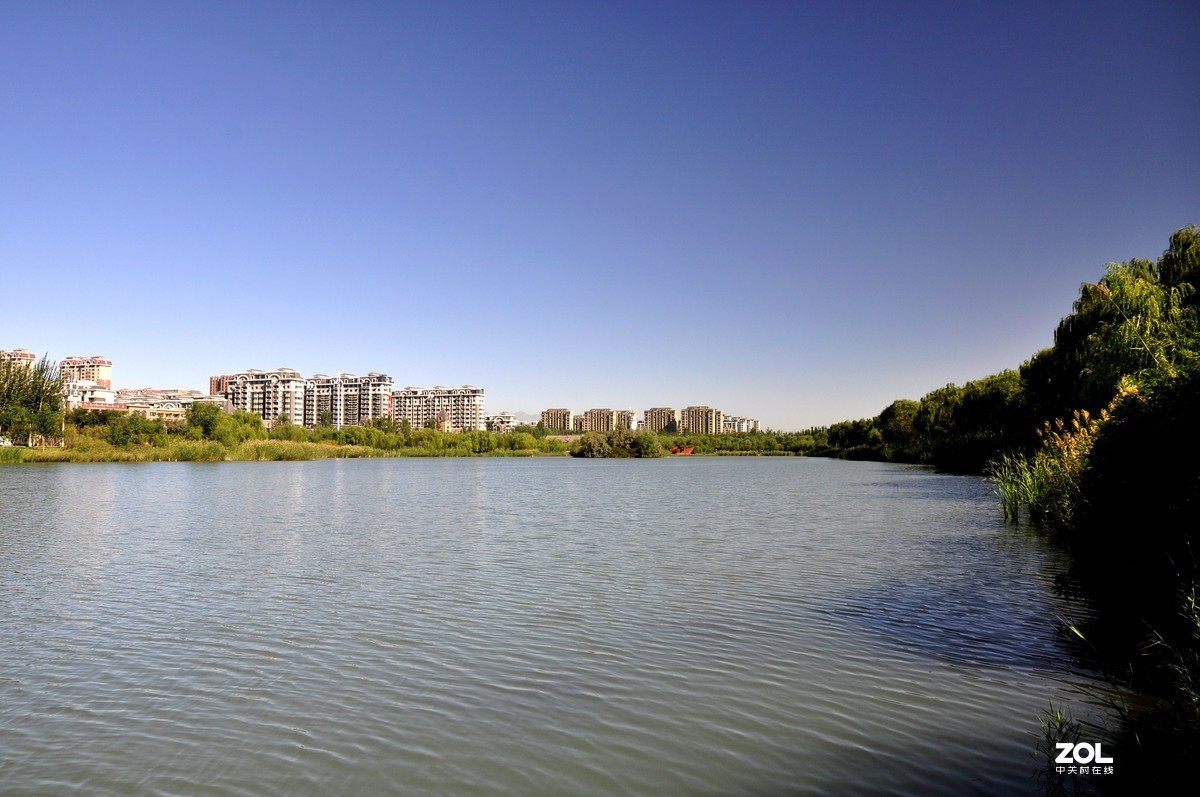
<point>276,450</point>
<point>1017,482</point>
<point>199,452</point>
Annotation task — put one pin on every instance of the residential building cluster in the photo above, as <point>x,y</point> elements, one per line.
<point>501,422</point>
<point>285,395</point>
<point>341,400</point>
<point>20,356</point>
<point>454,409</point>
<point>158,405</point>
<point>87,384</point>
<point>350,400</point>
<point>694,420</point>
<point>96,370</point>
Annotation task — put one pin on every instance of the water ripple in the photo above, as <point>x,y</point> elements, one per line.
<point>724,626</point>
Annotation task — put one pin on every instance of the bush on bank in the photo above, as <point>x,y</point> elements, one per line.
<point>1094,439</point>
<point>209,435</point>
<point>1113,476</point>
<point>619,443</point>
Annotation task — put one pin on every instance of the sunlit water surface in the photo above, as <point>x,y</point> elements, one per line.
<point>715,626</point>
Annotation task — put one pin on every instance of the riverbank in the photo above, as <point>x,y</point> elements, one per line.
<point>211,436</point>
<point>280,451</point>
<point>249,451</point>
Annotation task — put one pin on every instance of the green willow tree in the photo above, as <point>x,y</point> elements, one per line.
<point>1134,325</point>
<point>30,400</point>
<point>1138,324</point>
<point>1140,320</point>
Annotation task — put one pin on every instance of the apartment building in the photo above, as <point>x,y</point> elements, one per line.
<point>20,356</point>
<point>626,419</point>
<point>656,419</point>
<point>454,409</point>
<point>558,418</point>
<point>374,396</point>
<point>501,422</point>
<point>350,400</point>
<point>733,423</point>
<point>168,404</point>
<point>157,412</point>
<point>598,420</point>
<point>701,420</point>
<point>87,369</point>
<point>272,394</point>
<point>88,395</point>
<point>345,399</point>
<point>218,385</point>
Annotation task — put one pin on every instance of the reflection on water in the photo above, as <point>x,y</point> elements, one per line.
<point>547,626</point>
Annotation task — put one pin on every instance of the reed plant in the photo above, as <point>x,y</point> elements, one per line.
<point>410,451</point>
<point>210,451</point>
<point>279,451</point>
<point>1180,655</point>
<point>1057,725</point>
<point>1018,480</point>
<point>1048,483</point>
<point>1061,462</point>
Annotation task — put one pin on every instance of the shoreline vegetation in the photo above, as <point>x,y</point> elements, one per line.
<point>1093,442</point>
<point>209,435</point>
<point>30,412</point>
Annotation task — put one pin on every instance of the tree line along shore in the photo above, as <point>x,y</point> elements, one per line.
<point>210,435</point>
<point>1093,442</point>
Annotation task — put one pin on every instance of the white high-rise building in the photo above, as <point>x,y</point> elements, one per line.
<point>733,423</point>
<point>271,394</point>
<point>454,409</point>
<point>345,399</point>
<point>350,400</point>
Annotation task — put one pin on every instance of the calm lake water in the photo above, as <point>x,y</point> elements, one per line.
<point>713,626</point>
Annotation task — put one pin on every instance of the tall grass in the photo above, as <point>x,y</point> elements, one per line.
<point>281,451</point>
<point>431,452</point>
<point>76,455</point>
<point>1057,726</point>
<point>1018,480</point>
<point>93,447</point>
<point>211,451</point>
<point>1181,660</point>
<point>1048,483</point>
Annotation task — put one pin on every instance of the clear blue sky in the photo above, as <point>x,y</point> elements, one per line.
<point>792,211</point>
